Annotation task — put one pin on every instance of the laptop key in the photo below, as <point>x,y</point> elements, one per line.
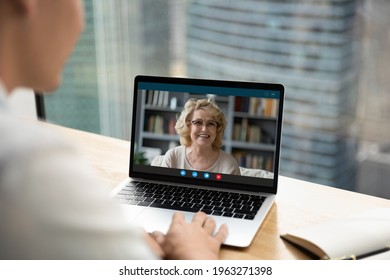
<point>186,199</point>
<point>238,211</point>
<point>167,202</point>
<point>197,206</point>
<point>206,202</point>
<point>256,207</point>
<point>189,205</point>
<point>246,208</point>
<point>217,213</point>
<point>144,203</point>
<point>173,207</point>
<point>249,217</point>
<point>238,206</point>
<point>207,211</point>
<point>177,204</point>
<point>196,201</point>
<point>126,191</point>
<point>132,202</point>
<point>207,207</point>
<point>216,203</point>
<point>138,194</point>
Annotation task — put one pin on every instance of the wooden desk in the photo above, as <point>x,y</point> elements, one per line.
<point>298,203</point>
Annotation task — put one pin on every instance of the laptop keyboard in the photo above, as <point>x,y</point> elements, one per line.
<point>212,202</point>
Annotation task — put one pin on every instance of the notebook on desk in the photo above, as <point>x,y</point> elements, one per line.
<point>252,137</point>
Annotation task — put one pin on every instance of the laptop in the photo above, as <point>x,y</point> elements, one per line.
<point>153,192</point>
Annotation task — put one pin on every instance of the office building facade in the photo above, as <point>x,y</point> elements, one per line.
<point>306,45</point>
<point>121,39</point>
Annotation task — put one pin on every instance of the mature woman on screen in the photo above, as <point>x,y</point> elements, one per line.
<point>201,126</point>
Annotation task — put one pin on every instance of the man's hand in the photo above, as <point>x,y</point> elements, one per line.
<point>189,241</point>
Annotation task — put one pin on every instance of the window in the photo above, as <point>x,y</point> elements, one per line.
<point>330,55</point>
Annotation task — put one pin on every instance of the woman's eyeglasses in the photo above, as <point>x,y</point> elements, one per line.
<point>201,123</point>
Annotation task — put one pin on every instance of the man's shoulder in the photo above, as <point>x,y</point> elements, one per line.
<point>23,137</point>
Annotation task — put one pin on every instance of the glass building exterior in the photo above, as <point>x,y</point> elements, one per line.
<point>121,39</point>
<point>309,47</point>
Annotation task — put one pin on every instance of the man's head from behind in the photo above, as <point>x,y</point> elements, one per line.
<point>36,38</point>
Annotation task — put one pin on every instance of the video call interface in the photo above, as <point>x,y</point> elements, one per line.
<point>250,136</point>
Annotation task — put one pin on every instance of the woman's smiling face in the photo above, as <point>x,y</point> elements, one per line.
<point>203,128</point>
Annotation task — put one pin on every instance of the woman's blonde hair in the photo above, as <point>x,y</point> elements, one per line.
<point>183,121</point>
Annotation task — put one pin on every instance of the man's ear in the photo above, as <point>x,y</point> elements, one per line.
<point>23,6</point>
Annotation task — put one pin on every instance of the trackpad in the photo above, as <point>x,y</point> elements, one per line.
<point>152,219</point>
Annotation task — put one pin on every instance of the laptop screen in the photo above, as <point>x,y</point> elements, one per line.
<point>224,134</point>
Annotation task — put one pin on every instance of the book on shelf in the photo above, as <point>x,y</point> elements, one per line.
<point>249,160</point>
<point>242,131</point>
<point>155,124</point>
<point>149,97</point>
<point>243,104</point>
<point>157,98</point>
<point>365,235</point>
<point>254,134</point>
<point>171,126</point>
<point>270,107</point>
<point>160,125</point>
<point>255,106</point>
<point>150,124</point>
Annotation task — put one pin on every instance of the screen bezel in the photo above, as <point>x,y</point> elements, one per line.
<point>202,182</point>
